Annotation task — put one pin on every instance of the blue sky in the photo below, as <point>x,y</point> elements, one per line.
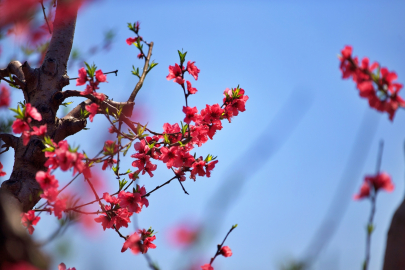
<point>281,161</point>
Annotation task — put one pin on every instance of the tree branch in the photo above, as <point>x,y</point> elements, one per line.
<point>57,56</point>
<point>9,140</point>
<point>144,72</point>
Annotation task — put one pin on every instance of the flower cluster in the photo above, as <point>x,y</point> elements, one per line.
<point>379,87</point>
<point>29,220</point>
<point>176,72</point>
<point>49,186</point>
<point>62,156</point>
<point>140,241</point>
<point>110,149</point>
<point>372,184</point>
<point>22,124</point>
<point>4,97</point>
<point>94,78</point>
<point>120,209</point>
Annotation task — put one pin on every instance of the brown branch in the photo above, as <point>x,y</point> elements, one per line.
<point>142,78</point>
<point>9,140</point>
<point>14,67</point>
<point>57,56</point>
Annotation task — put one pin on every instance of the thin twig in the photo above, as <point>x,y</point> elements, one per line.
<point>223,242</point>
<point>156,188</point>
<point>46,19</point>
<point>142,78</point>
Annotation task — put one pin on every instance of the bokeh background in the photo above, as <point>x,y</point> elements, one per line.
<point>288,164</point>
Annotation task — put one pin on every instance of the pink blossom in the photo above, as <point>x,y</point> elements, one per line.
<point>190,89</point>
<point>132,242</point>
<point>59,207</point>
<point>39,131</point>
<point>100,76</point>
<point>198,168</point>
<point>32,112</point>
<point>19,126</point>
<point>193,70</point>
<point>226,251</point>
<point>82,79</point>
<point>130,200</point>
<point>175,73</point>
<point>46,180</point>
<point>2,173</point>
<point>190,114</point>
<point>4,97</point>
<point>92,109</point>
<point>207,267</point>
<point>210,166</point>
<point>29,220</point>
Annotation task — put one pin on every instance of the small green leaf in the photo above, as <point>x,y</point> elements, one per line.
<point>67,103</point>
<point>166,138</point>
<point>122,184</point>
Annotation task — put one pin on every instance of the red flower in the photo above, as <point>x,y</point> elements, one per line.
<point>175,73</point>
<point>132,201</point>
<point>377,182</point>
<point>198,168</point>
<point>207,267</point>
<point>92,109</point>
<point>39,131</point>
<point>29,220</point>
<point>210,166</point>
<point>59,207</point>
<point>1,170</point>
<point>4,97</point>
<point>82,79</point>
<point>32,112</point>
<point>19,126</point>
<point>132,242</point>
<point>190,89</point>
<point>170,157</point>
<point>382,180</point>
<point>100,76</point>
<point>193,70</point>
<point>226,251</point>
<point>46,180</point>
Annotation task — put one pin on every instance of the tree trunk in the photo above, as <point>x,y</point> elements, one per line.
<point>394,258</point>
<point>42,88</point>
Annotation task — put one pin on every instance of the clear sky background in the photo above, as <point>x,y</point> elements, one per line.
<point>283,160</point>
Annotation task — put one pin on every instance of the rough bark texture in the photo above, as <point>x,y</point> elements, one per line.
<point>42,87</point>
<point>395,249</point>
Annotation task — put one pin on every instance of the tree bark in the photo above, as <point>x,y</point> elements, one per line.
<point>40,87</point>
<point>394,258</point>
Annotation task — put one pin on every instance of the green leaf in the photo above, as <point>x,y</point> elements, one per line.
<point>135,71</point>
<point>12,80</point>
<point>67,103</point>
<point>152,65</point>
<point>182,57</point>
<point>234,226</point>
<point>166,138</point>
<point>122,184</point>
<point>91,70</point>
